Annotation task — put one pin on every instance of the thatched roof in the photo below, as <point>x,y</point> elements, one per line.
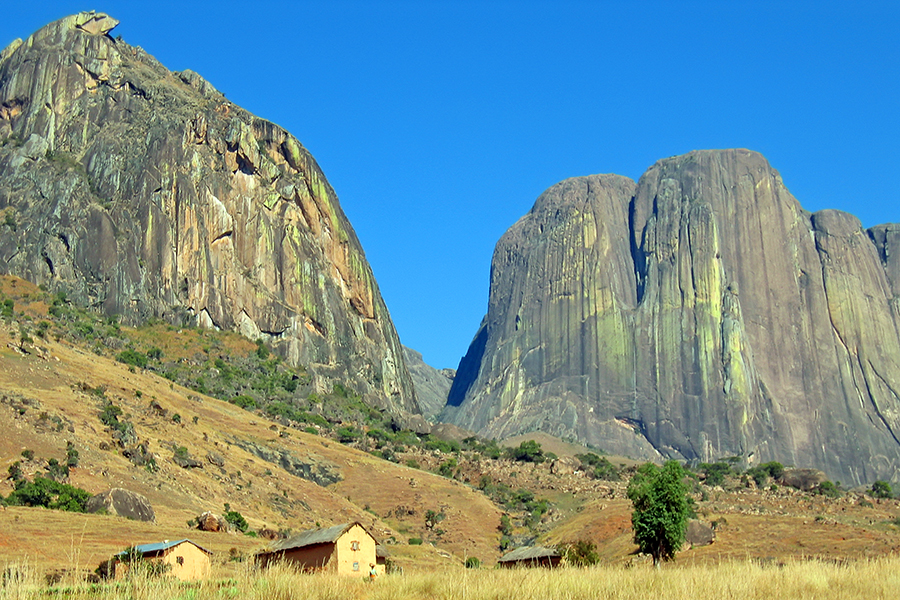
<point>529,553</point>
<point>312,537</point>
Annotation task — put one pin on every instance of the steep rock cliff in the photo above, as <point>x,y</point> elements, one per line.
<point>145,193</point>
<point>699,314</point>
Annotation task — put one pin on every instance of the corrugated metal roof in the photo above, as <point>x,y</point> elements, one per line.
<point>311,537</point>
<point>159,547</point>
<point>529,553</point>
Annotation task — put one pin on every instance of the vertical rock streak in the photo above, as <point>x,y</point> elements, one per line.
<point>700,313</point>
<point>176,203</point>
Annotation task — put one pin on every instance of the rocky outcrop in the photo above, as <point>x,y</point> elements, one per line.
<point>311,467</point>
<point>431,385</point>
<point>146,193</point>
<point>122,503</point>
<point>699,314</point>
<point>802,479</point>
<point>211,522</point>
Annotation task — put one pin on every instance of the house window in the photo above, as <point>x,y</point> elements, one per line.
<point>179,560</point>
<point>356,566</point>
<point>354,545</point>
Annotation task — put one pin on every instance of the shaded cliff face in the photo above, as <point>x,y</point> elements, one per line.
<point>432,385</point>
<point>709,316</point>
<point>145,193</point>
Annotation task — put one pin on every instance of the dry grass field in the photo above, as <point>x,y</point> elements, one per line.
<point>744,580</point>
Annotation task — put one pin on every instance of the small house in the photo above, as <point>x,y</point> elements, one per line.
<point>182,559</point>
<point>346,549</point>
<point>531,556</point>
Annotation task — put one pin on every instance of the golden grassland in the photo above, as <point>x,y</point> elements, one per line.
<point>867,579</point>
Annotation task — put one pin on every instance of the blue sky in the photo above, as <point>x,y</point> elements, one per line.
<point>439,123</point>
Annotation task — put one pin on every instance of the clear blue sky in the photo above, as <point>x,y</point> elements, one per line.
<point>439,123</point>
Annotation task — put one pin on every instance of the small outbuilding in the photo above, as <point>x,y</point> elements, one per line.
<point>182,559</point>
<point>531,556</point>
<point>347,549</point>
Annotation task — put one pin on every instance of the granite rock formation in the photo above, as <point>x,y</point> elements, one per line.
<point>698,314</point>
<point>431,385</point>
<point>146,193</point>
<point>122,503</point>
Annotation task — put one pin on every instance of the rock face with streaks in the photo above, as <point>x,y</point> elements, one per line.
<point>145,193</point>
<point>698,314</point>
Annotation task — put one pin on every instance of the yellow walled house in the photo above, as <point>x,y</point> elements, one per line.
<point>183,559</point>
<point>347,549</point>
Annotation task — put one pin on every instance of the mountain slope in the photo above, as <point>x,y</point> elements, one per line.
<point>146,193</point>
<point>699,314</point>
<point>276,476</point>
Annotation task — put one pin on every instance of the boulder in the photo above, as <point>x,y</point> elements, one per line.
<point>699,533</point>
<point>802,479</point>
<point>211,522</point>
<point>122,503</point>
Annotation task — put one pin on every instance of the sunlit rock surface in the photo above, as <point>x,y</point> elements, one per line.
<point>146,193</point>
<point>698,314</point>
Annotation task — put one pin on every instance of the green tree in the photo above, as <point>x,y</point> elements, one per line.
<point>235,519</point>
<point>661,509</point>
<point>528,451</point>
<point>882,489</point>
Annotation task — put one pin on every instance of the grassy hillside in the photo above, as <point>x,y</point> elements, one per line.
<point>289,458</point>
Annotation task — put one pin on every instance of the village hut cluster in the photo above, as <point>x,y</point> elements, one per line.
<point>347,549</point>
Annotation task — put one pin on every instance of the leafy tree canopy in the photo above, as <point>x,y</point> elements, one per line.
<point>661,509</point>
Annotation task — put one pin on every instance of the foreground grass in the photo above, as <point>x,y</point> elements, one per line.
<point>865,579</point>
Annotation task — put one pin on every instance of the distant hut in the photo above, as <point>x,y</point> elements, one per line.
<point>346,549</point>
<point>182,559</point>
<point>531,556</point>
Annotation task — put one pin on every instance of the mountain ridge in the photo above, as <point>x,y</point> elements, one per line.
<point>690,317</point>
<point>145,193</point>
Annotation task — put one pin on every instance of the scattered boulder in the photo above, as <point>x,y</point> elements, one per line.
<point>122,503</point>
<point>564,466</point>
<point>139,455</point>
<point>210,522</point>
<point>699,534</point>
<point>183,459</point>
<point>216,459</point>
<point>269,534</point>
<point>802,479</point>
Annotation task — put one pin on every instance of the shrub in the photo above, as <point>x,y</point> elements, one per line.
<point>348,434</point>
<point>133,358</point>
<point>882,489</point>
<point>472,562</point>
<point>71,455</point>
<point>715,472</point>
<point>235,519</point>
<point>49,494</point>
<point>56,471</point>
<point>15,471</point>
<point>415,541</point>
<point>244,401</point>
<point>828,489</point>
<point>528,451</point>
<point>579,554</point>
